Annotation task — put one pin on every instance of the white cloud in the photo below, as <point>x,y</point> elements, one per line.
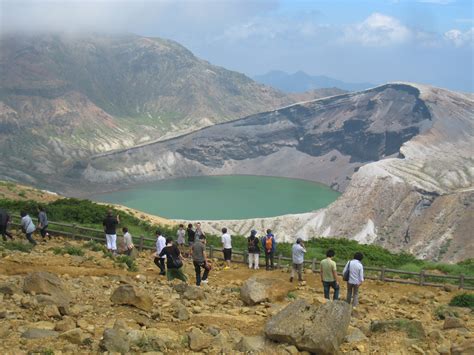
<point>459,38</point>
<point>378,30</point>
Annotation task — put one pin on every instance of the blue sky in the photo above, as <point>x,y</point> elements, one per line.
<point>427,41</point>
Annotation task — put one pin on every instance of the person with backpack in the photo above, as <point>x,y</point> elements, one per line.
<point>269,246</point>
<point>226,247</point>
<point>43,223</point>
<point>200,260</point>
<point>110,228</point>
<point>297,252</point>
<point>27,227</point>
<point>174,262</point>
<point>4,221</point>
<point>253,247</point>
<point>353,273</point>
<point>159,259</point>
<point>329,275</point>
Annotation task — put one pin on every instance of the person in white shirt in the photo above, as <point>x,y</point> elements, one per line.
<point>160,261</point>
<point>356,277</point>
<point>127,241</point>
<point>181,233</point>
<point>226,247</point>
<point>298,250</point>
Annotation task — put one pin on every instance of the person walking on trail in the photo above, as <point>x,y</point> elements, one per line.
<point>355,278</point>
<point>269,246</point>
<point>191,237</point>
<point>159,259</point>
<point>297,252</point>
<point>4,221</point>
<point>253,247</point>
<point>226,247</point>
<point>329,275</point>
<point>174,262</point>
<point>200,260</point>
<point>27,227</point>
<point>127,241</point>
<point>110,224</point>
<point>181,233</point>
<point>43,223</point>
<point>198,232</point>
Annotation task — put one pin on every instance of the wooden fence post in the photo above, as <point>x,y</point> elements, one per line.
<point>279,260</point>
<point>140,243</point>
<point>246,256</point>
<point>211,252</point>
<point>422,277</point>
<point>461,281</point>
<point>382,273</point>
<point>313,265</point>
<point>73,233</point>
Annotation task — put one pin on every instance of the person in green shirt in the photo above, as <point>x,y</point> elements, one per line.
<point>329,275</point>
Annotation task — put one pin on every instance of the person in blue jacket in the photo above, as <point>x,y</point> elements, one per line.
<point>269,246</point>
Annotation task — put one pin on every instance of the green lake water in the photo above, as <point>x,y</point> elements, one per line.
<point>224,197</point>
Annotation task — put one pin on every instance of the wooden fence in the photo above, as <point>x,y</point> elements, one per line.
<point>383,274</point>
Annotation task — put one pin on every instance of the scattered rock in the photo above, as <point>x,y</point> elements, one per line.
<point>51,311</point>
<point>115,339</point>
<point>465,348</point>
<point>452,322</point>
<point>355,335</point>
<point>306,326</point>
<point>8,289</point>
<point>198,340</point>
<point>130,295</point>
<point>5,330</point>
<point>73,336</point>
<point>193,293</point>
<point>180,312</point>
<point>253,291</point>
<point>251,344</point>
<point>46,283</point>
<point>449,288</point>
<point>414,300</point>
<point>65,324</point>
<point>33,333</point>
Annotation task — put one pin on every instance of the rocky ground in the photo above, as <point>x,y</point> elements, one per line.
<point>90,304</point>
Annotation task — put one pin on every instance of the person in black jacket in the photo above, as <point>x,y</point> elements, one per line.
<point>4,220</point>
<point>110,228</point>
<point>253,245</point>
<point>174,261</point>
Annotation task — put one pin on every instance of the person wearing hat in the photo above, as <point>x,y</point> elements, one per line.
<point>254,249</point>
<point>298,252</point>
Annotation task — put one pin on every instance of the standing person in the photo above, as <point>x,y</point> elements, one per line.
<point>174,262</point>
<point>191,237</point>
<point>200,260</point>
<point>356,277</point>
<point>43,223</point>
<point>127,241</point>
<point>329,275</point>
<point>181,233</point>
<point>226,247</point>
<point>269,246</point>
<point>159,259</point>
<point>297,252</point>
<point>110,228</point>
<point>27,227</point>
<point>198,232</point>
<point>4,221</point>
<point>253,245</point>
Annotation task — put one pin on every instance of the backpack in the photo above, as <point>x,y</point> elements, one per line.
<point>346,274</point>
<point>269,244</point>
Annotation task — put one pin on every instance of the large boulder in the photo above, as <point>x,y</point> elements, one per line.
<point>254,291</point>
<point>49,290</point>
<point>130,295</point>
<point>193,293</point>
<point>115,339</point>
<point>315,329</point>
<point>198,340</point>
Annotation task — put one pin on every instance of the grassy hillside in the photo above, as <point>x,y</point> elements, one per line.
<point>89,214</point>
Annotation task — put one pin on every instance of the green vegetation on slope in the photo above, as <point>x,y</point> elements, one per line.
<point>89,214</point>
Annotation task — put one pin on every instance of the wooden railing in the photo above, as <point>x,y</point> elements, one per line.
<point>383,274</point>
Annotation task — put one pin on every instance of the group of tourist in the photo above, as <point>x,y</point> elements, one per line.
<point>169,256</point>
<point>27,225</point>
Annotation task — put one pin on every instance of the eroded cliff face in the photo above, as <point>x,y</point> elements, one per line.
<point>423,203</point>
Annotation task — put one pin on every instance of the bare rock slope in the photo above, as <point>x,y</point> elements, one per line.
<point>401,153</point>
